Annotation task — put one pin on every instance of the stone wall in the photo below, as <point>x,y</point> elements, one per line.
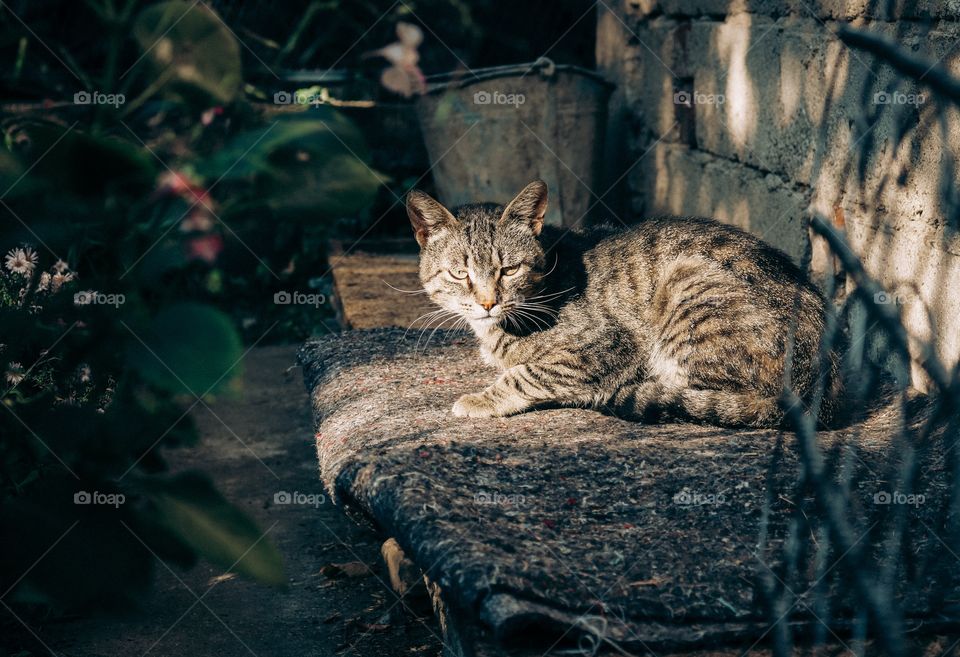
<point>753,112</point>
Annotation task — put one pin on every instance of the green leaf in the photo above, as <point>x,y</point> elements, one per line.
<point>190,48</point>
<point>191,508</point>
<point>187,348</point>
<point>11,172</point>
<point>68,160</point>
<point>341,186</point>
<point>312,165</point>
<point>319,132</point>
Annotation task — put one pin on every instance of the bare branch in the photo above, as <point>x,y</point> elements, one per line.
<point>928,72</point>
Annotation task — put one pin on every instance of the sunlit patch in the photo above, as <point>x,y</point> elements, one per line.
<point>219,579</point>
<point>733,43</point>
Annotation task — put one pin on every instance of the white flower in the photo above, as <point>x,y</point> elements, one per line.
<point>60,267</point>
<point>21,260</point>
<point>15,373</point>
<point>84,373</point>
<point>57,280</point>
<point>44,282</point>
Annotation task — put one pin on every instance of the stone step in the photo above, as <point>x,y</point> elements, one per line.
<point>376,285</point>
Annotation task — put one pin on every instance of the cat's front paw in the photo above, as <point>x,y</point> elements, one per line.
<point>474,405</point>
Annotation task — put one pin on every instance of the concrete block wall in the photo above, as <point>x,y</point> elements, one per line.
<point>753,112</point>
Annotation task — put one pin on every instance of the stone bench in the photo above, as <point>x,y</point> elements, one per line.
<point>568,528</point>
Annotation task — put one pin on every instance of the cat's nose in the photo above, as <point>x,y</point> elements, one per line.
<point>487,304</point>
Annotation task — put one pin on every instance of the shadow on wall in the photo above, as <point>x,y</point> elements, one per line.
<point>757,114</point>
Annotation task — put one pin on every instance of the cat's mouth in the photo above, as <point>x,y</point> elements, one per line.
<point>486,320</point>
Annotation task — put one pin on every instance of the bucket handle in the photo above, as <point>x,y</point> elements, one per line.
<point>547,67</point>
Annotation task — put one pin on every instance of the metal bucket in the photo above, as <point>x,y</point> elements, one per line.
<point>492,133</point>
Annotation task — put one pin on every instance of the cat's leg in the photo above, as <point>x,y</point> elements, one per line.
<point>518,389</point>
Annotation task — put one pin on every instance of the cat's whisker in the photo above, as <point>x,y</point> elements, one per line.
<point>531,309</point>
<point>442,320</point>
<point>534,309</point>
<point>430,337</point>
<point>546,309</point>
<point>427,318</point>
<point>539,306</point>
<point>549,320</point>
<point>518,322</point>
<point>538,322</point>
<point>431,312</point>
<point>548,297</point>
<point>420,291</point>
<point>442,317</point>
<point>460,325</point>
<point>556,261</point>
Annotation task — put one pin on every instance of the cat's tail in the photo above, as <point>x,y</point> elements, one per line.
<point>730,409</point>
<point>888,410</point>
<point>752,410</point>
<point>874,403</point>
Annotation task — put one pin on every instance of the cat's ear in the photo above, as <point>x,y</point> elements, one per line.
<point>529,206</point>
<point>427,216</point>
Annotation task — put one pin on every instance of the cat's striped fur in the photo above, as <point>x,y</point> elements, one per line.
<point>673,317</point>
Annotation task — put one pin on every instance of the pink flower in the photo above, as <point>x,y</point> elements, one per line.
<point>209,115</point>
<point>175,183</point>
<point>403,77</point>
<point>205,247</point>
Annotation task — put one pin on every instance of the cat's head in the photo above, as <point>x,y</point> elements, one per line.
<point>481,260</point>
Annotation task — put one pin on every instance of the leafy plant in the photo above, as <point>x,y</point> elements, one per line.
<point>127,229</point>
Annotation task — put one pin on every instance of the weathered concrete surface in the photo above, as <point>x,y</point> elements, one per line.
<point>253,447</point>
<point>778,119</point>
<point>680,180</point>
<point>822,9</point>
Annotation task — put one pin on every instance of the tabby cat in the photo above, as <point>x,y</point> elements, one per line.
<point>673,318</point>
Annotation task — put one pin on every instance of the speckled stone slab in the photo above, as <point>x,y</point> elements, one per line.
<point>566,526</point>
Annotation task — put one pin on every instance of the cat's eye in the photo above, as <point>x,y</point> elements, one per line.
<point>458,274</point>
<point>510,271</point>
